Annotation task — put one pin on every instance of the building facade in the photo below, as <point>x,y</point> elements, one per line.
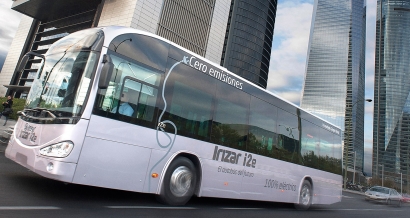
<point>391,122</point>
<point>335,71</point>
<point>248,42</point>
<point>202,26</point>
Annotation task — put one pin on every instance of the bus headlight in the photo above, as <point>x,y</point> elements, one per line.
<point>61,149</point>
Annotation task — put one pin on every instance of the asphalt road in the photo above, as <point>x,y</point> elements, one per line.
<point>26,194</point>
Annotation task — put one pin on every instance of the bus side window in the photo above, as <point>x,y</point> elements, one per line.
<point>262,127</point>
<point>326,150</point>
<point>140,83</point>
<point>130,95</point>
<point>189,96</point>
<point>337,154</point>
<point>147,103</point>
<point>230,120</point>
<point>288,146</point>
<point>310,144</point>
<point>141,98</point>
<point>144,49</point>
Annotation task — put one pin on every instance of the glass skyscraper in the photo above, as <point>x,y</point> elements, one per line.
<point>248,39</point>
<point>391,124</point>
<point>335,80</point>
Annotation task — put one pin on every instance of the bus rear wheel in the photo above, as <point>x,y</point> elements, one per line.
<point>305,196</point>
<point>179,182</point>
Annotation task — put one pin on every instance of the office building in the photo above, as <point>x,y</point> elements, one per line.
<point>335,71</point>
<point>391,122</point>
<point>248,39</point>
<point>210,28</point>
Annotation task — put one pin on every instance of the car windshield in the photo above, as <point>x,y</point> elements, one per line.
<point>380,189</point>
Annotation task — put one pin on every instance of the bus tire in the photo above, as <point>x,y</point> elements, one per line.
<point>305,196</point>
<point>179,182</point>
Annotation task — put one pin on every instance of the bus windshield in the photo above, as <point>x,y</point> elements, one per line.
<point>64,80</point>
<point>63,83</point>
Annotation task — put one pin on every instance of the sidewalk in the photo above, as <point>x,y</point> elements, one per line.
<point>10,123</point>
<point>4,137</point>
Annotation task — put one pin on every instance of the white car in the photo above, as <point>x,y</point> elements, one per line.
<point>383,195</point>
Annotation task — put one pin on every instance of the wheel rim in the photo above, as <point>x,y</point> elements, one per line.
<point>181,180</point>
<point>305,195</point>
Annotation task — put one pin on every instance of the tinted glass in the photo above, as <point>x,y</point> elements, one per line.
<point>262,128</point>
<point>288,141</point>
<point>147,50</point>
<point>337,154</point>
<point>310,140</point>
<point>230,124</point>
<point>189,102</point>
<point>132,93</point>
<point>326,152</point>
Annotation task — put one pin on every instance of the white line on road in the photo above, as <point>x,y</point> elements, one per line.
<point>149,207</point>
<point>239,208</point>
<point>358,209</point>
<point>29,208</point>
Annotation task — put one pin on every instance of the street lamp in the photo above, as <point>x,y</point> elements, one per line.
<point>348,138</point>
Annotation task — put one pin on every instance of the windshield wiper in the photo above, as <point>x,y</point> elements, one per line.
<point>41,110</point>
<point>50,112</point>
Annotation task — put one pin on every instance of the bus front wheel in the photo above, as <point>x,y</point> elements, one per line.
<point>305,196</point>
<point>179,182</point>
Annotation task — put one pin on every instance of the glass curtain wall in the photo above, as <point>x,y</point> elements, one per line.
<point>334,79</point>
<point>248,39</point>
<point>391,125</point>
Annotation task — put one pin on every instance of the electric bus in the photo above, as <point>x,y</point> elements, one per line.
<point>121,108</point>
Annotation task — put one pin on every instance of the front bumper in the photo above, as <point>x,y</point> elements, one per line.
<point>29,157</point>
<point>380,199</point>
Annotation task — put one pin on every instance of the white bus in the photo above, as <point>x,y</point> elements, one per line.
<point>120,108</point>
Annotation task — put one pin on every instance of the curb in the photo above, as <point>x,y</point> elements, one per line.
<point>353,192</point>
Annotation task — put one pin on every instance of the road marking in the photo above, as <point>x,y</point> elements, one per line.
<point>358,209</point>
<point>347,196</point>
<point>29,208</point>
<point>175,208</point>
<point>150,207</point>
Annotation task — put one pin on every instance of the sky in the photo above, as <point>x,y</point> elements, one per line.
<point>9,21</point>
<point>288,57</point>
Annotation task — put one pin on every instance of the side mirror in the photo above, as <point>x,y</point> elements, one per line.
<point>22,63</point>
<point>25,58</point>
<point>106,72</point>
